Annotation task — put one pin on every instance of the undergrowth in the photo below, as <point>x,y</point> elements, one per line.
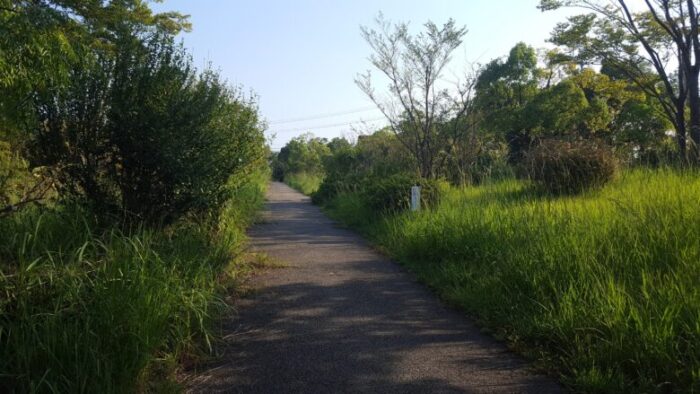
<point>86,307</point>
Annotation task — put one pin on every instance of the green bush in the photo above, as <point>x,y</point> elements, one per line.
<point>393,194</point>
<point>144,132</point>
<point>304,182</point>
<point>327,190</point>
<point>562,167</point>
<point>333,186</point>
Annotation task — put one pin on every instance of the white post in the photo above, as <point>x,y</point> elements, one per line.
<point>415,198</point>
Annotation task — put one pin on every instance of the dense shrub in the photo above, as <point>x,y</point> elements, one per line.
<point>343,174</point>
<point>302,154</point>
<point>558,166</point>
<point>146,133</point>
<point>15,178</point>
<point>305,182</point>
<point>327,190</point>
<point>333,186</point>
<point>393,193</point>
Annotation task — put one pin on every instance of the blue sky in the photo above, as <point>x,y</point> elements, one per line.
<point>301,57</point>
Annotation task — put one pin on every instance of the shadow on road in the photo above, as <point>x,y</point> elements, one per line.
<point>344,319</point>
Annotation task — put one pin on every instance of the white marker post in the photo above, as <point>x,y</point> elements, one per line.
<point>415,198</point>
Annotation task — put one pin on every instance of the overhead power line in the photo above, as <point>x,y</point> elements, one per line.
<point>322,116</point>
<point>326,126</point>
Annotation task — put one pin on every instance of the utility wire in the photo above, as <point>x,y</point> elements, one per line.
<point>326,126</point>
<point>322,116</point>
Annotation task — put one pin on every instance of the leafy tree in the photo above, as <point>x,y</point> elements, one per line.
<point>640,132</point>
<point>338,144</point>
<point>476,156</point>
<point>558,110</point>
<point>304,153</point>
<point>589,105</point>
<point>524,103</point>
<point>667,30</point>
<point>503,88</point>
<point>508,84</point>
<point>46,49</point>
<point>41,39</point>
<point>381,154</point>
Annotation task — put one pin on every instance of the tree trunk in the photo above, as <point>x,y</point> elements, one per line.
<point>694,103</point>
<point>426,171</point>
<point>681,133</point>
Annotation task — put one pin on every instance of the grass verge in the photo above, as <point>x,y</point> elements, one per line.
<point>92,308</point>
<point>600,288</point>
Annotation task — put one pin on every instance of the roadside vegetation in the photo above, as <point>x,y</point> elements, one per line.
<point>304,182</point>
<point>560,200</point>
<point>127,179</point>
<point>600,288</point>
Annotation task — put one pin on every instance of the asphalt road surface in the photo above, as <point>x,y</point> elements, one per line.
<point>342,318</point>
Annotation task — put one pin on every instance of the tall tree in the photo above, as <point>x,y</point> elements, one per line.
<point>41,39</point>
<point>413,65</point>
<point>667,33</point>
<point>503,88</point>
<point>48,49</point>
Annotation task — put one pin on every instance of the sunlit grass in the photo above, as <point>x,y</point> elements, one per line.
<point>601,288</point>
<point>304,182</point>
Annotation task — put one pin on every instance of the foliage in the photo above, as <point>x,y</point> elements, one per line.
<point>41,41</point>
<point>145,134</point>
<point>639,44</point>
<point>642,132</point>
<point>559,109</point>
<point>304,182</point>
<point>302,154</point>
<point>477,160</point>
<point>505,86</point>
<point>13,175</point>
<point>381,154</point>
<point>338,144</point>
<point>329,189</point>
<point>36,33</point>
<point>558,166</point>
<point>343,174</point>
<point>156,169</point>
<point>520,102</point>
<point>393,194</point>
<point>600,288</point>
<point>375,156</point>
<point>85,308</point>
<point>418,105</point>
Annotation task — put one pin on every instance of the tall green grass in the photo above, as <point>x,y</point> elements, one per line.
<point>304,182</point>
<point>603,288</point>
<point>93,308</point>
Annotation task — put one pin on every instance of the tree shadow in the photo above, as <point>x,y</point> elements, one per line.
<point>360,335</point>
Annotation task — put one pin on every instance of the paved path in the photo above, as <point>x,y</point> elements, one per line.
<point>342,318</point>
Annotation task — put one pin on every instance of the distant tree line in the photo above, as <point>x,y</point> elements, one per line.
<point>596,101</point>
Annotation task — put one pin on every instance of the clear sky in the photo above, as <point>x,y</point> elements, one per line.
<point>301,57</point>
